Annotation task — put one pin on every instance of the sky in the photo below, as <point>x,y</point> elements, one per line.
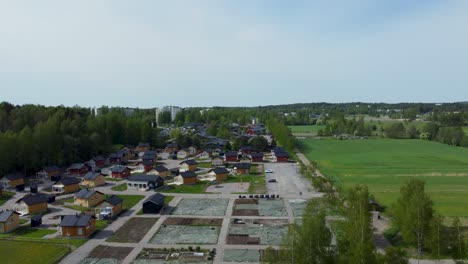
<point>232,53</point>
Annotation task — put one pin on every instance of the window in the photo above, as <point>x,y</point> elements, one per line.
<point>80,231</point>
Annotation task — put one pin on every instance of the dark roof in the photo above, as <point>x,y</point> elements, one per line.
<point>220,170</point>
<point>246,148</point>
<point>148,156</point>
<point>98,158</point>
<point>231,154</point>
<point>6,214</point>
<point>157,198</point>
<point>146,162</point>
<point>114,200</point>
<point>144,144</point>
<point>190,162</point>
<point>75,220</point>
<point>257,155</point>
<point>116,155</point>
<point>14,176</point>
<point>119,168</point>
<point>51,168</point>
<point>242,165</point>
<point>86,194</point>
<point>76,166</point>
<point>151,152</point>
<point>188,174</point>
<point>143,178</point>
<point>171,145</point>
<point>32,199</point>
<point>69,181</point>
<point>91,175</point>
<point>160,168</point>
<point>281,154</point>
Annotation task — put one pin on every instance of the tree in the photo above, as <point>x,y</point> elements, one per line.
<point>413,214</point>
<point>457,240</point>
<point>259,143</point>
<point>164,118</point>
<point>355,243</point>
<point>394,255</point>
<point>437,240</point>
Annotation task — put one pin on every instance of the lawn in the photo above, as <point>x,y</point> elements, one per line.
<point>305,129</point>
<point>465,129</point>
<point>27,231</point>
<point>31,252</point>
<point>385,164</point>
<point>5,197</point>
<point>257,182</point>
<point>120,188</point>
<point>130,200</point>
<point>113,179</point>
<point>199,187</point>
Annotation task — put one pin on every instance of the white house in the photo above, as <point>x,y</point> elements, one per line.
<point>182,154</point>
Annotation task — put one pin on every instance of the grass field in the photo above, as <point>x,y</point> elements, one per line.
<point>130,200</point>
<point>27,231</point>
<point>385,164</point>
<point>305,129</point>
<point>119,188</point>
<point>26,252</point>
<point>465,129</point>
<point>5,196</point>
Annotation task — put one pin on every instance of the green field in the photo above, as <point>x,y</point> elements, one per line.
<point>385,164</point>
<point>466,130</point>
<point>305,129</point>
<point>26,252</point>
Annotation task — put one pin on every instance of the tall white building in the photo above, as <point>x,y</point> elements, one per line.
<point>171,109</point>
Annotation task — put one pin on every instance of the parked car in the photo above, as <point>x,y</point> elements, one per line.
<point>269,171</point>
<point>272,180</point>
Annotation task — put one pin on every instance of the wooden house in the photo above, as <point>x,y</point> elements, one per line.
<point>77,226</point>
<point>9,221</point>
<point>171,147</point>
<point>144,166</point>
<point>281,156</point>
<point>47,173</point>
<point>217,162</point>
<point>221,173</point>
<point>12,180</point>
<point>191,151</point>
<point>242,168</point>
<point>160,171</point>
<point>231,156</point>
<point>94,179</point>
<point>116,158</point>
<point>78,169</point>
<point>246,150</point>
<point>121,172</point>
<point>188,165</point>
<point>32,204</point>
<point>142,147</point>
<point>149,157</point>
<point>182,154</point>
<point>188,177</point>
<point>109,208</point>
<point>154,204</point>
<point>144,182</point>
<point>257,156</point>
<point>88,198</point>
<point>99,161</point>
<point>204,155</point>
<point>67,185</point>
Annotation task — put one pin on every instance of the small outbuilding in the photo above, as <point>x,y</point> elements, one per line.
<point>9,221</point>
<point>153,204</point>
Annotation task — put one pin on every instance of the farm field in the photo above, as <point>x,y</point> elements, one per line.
<point>305,129</point>
<point>31,252</point>
<point>385,164</point>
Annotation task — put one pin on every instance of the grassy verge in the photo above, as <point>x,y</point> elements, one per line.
<point>113,179</point>
<point>26,231</point>
<point>131,200</point>
<point>198,187</point>
<point>257,183</point>
<point>120,188</point>
<point>5,197</point>
<point>205,165</point>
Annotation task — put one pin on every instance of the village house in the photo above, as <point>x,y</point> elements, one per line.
<point>77,226</point>
<point>187,177</point>
<point>257,156</point>
<point>221,173</point>
<point>144,182</point>
<point>182,154</point>
<point>78,169</point>
<point>245,159</point>
<point>12,180</point>
<point>109,208</point>
<point>47,173</point>
<point>204,155</point>
<point>192,151</point>
<point>188,165</point>
<point>128,148</point>
<point>149,157</point>
<point>242,168</point>
<point>281,157</point>
<point>143,147</point>
<point>88,198</point>
<point>231,156</point>
<point>171,147</point>
<point>32,204</point>
<point>94,179</point>
<point>154,204</point>
<point>246,150</point>
<point>116,158</point>
<point>9,221</point>
<point>217,162</point>
<point>144,166</point>
<point>159,170</point>
<point>98,161</point>
<point>121,172</point>
<point>66,185</point>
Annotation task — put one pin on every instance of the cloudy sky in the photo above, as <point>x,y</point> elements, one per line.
<point>234,53</point>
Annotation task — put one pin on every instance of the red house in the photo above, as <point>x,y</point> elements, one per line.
<point>78,169</point>
<point>119,171</point>
<point>257,156</point>
<point>231,156</point>
<point>145,165</point>
<point>172,147</point>
<point>99,161</point>
<point>246,150</point>
<point>282,157</point>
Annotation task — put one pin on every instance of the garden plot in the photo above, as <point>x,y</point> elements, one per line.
<point>257,232</point>
<point>133,230</point>
<point>107,255</point>
<point>188,231</point>
<point>211,207</point>
<point>298,206</point>
<point>159,256</point>
<point>259,207</point>
<point>241,255</point>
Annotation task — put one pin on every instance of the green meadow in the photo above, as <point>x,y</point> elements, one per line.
<point>305,129</point>
<point>385,164</point>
